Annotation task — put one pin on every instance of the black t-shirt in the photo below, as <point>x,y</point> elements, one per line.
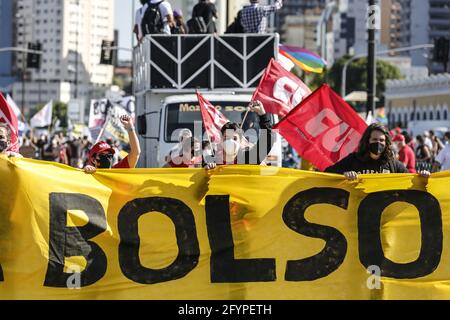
<point>361,166</point>
<point>207,11</point>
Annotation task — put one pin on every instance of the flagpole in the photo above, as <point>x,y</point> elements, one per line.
<point>102,131</point>
<point>245,118</point>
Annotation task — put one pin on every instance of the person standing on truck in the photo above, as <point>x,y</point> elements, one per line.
<point>254,16</point>
<point>157,18</point>
<point>138,20</point>
<point>207,12</point>
<point>230,150</point>
<point>101,155</point>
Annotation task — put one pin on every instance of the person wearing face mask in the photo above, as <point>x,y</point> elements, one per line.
<point>442,160</point>
<point>5,141</point>
<point>101,155</point>
<point>235,150</point>
<point>189,155</point>
<point>405,153</point>
<point>374,155</point>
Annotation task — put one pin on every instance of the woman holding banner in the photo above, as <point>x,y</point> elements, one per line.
<point>374,155</point>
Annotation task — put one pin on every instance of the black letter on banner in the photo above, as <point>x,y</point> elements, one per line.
<point>224,267</point>
<point>73,241</point>
<point>370,248</point>
<point>332,256</point>
<point>183,219</point>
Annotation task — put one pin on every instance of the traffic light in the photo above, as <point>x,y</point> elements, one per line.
<point>441,50</point>
<point>107,55</point>
<point>34,59</point>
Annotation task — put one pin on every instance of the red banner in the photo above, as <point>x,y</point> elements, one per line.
<point>279,90</point>
<point>213,119</point>
<point>323,128</point>
<point>8,116</point>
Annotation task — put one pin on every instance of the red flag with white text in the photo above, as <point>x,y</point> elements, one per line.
<point>8,116</point>
<point>213,119</point>
<point>323,129</point>
<point>280,90</point>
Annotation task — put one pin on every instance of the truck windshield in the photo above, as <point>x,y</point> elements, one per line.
<point>184,115</point>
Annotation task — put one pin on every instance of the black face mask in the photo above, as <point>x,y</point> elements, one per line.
<point>3,145</point>
<point>105,161</point>
<point>377,148</point>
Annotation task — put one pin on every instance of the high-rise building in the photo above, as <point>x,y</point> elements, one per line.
<point>430,20</point>
<point>71,34</point>
<point>301,30</point>
<point>6,41</point>
<point>295,8</point>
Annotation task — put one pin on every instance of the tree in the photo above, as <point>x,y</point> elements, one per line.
<point>60,113</point>
<point>356,76</point>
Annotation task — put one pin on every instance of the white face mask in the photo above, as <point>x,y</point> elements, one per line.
<point>231,147</point>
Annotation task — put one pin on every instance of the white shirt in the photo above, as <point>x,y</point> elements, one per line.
<point>444,158</point>
<point>138,19</point>
<point>165,8</point>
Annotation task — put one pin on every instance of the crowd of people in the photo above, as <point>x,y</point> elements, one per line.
<point>159,17</point>
<point>379,151</point>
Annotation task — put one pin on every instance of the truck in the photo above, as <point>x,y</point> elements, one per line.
<point>169,70</point>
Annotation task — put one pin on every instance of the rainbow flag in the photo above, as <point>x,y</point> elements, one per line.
<point>305,59</point>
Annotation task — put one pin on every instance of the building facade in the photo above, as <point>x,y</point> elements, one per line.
<point>71,34</point>
<point>419,104</point>
<point>7,74</point>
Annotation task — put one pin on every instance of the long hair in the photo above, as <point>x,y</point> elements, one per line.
<point>364,150</point>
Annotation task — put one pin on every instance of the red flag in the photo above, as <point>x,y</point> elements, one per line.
<point>279,90</point>
<point>8,116</point>
<point>323,128</point>
<point>213,119</point>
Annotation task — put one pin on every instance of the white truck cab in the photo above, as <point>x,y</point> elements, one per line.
<point>168,70</point>
<point>178,112</point>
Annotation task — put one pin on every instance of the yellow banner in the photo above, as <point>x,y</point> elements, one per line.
<point>239,232</point>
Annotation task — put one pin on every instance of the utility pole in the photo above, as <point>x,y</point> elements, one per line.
<point>76,51</point>
<point>371,63</point>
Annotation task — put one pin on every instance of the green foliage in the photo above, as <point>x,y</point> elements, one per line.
<point>356,76</point>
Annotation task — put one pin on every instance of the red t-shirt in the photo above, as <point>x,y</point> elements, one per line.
<point>123,164</point>
<point>407,156</point>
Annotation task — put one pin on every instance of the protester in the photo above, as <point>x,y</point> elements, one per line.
<point>374,155</point>
<point>423,154</point>
<point>101,154</point>
<point>289,161</point>
<point>5,141</point>
<point>157,18</point>
<point>204,13</point>
<point>442,160</point>
<point>254,16</point>
<point>436,143</point>
<point>138,20</point>
<point>230,150</point>
<point>179,26</point>
<point>188,156</point>
<point>236,25</point>
<point>405,153</point>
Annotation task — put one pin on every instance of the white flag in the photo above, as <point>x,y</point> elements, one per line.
<point>285,62</point>
<point>44,117</point>
<point>13,105</point>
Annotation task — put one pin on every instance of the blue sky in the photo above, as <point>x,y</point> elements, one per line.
<point>123,22</point>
